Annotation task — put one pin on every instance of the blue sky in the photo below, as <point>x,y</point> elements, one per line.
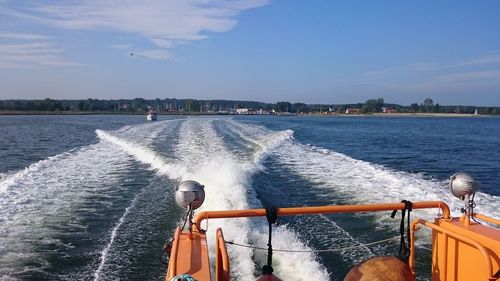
<point>320,51</point>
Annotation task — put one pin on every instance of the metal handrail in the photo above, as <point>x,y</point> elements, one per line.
<point>320,210</point>
<point>486,218</point>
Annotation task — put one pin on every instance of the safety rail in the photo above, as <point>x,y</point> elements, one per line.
<point>486,218</point>
<point>320,210</point>
<point>221,258</point>
<point>221,252</point>
<point>446,232</point>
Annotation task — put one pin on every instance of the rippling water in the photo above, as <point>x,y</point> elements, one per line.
<point>90,197</point>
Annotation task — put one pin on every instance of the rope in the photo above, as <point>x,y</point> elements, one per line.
<point>404,250</point>
<point>165,253</point>
<point>272,216</point>
<point>167,248</point>
<point>313,251</point>
<point>187,217</point>
<point>472,205</point>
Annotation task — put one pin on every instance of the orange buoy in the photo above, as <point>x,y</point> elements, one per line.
<point>380,268</point>
<point>268,277</point>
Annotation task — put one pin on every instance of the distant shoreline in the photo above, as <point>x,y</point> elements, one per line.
<point>215,113</point>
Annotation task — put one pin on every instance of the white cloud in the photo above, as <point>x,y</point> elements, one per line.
<point>163,43</point>
<point>23,36</point>
<point>481,60</point>
<point>153,54</point>
<point>460,82</point>
<point>30,51</point>
<point>467,76</point>
<point>122,46</point>
<point>431,66</point>
<point>163,22</point>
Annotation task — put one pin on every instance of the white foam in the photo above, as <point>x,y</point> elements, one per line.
<point>146,133</point>
<point>225,182</point>
<point>265,140</point>
<point>289,265</point>
<point>363,182</point>
<point>8,278</point>
<point>44,194</point>
<point>356,181</point>
<point>342,239</point>
<point>228,186</point>
<point>16,179</point>
<point>114,232</point>
<point>268,142</point>
<point>40,199</point>
<point>144,155</point>
<point>200,149</point>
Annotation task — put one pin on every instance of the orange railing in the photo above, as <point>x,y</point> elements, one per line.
<point>221,258</point>
<point>486,218</point>
<point>221,247</point>
<point>320,210</point>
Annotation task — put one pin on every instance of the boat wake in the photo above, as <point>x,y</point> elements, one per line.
<point>356,181</point>
<point>203,156</point>
<point>40,205</point>
<point>101,199</point>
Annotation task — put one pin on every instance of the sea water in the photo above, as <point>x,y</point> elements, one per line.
<point>91,197</point>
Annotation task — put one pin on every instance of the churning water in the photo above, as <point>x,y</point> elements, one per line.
<point>91,197</point>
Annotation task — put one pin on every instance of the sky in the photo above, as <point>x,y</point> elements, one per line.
<point>318,51</point>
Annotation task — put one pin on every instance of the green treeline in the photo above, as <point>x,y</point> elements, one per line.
<point>172,105</point>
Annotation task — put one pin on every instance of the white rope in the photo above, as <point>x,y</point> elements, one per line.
<point>314,251</point>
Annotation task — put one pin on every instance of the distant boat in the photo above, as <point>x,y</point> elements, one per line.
<point>152,116</point>
<point>476,112</point>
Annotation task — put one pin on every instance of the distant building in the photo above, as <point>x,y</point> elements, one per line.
<point>388,110</point>
<point>352,111</point>
<point>242,111</point>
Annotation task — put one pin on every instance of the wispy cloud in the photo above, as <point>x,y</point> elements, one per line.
<point>473,75</point>
<point>23,36</point>
<point>495,58</point>
<point>467,76</point>
<point>153,54</point>
<point>21,50</point>
<point>455,88</point>
<point>490,59</point>
<point>475,79</point>
<point>122,46</point>
<point>164,23</point>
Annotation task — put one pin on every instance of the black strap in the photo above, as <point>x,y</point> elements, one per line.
<point>404,250</point>
<point>497,275</point>
<point>165,253</point>
<point>272,216</point>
